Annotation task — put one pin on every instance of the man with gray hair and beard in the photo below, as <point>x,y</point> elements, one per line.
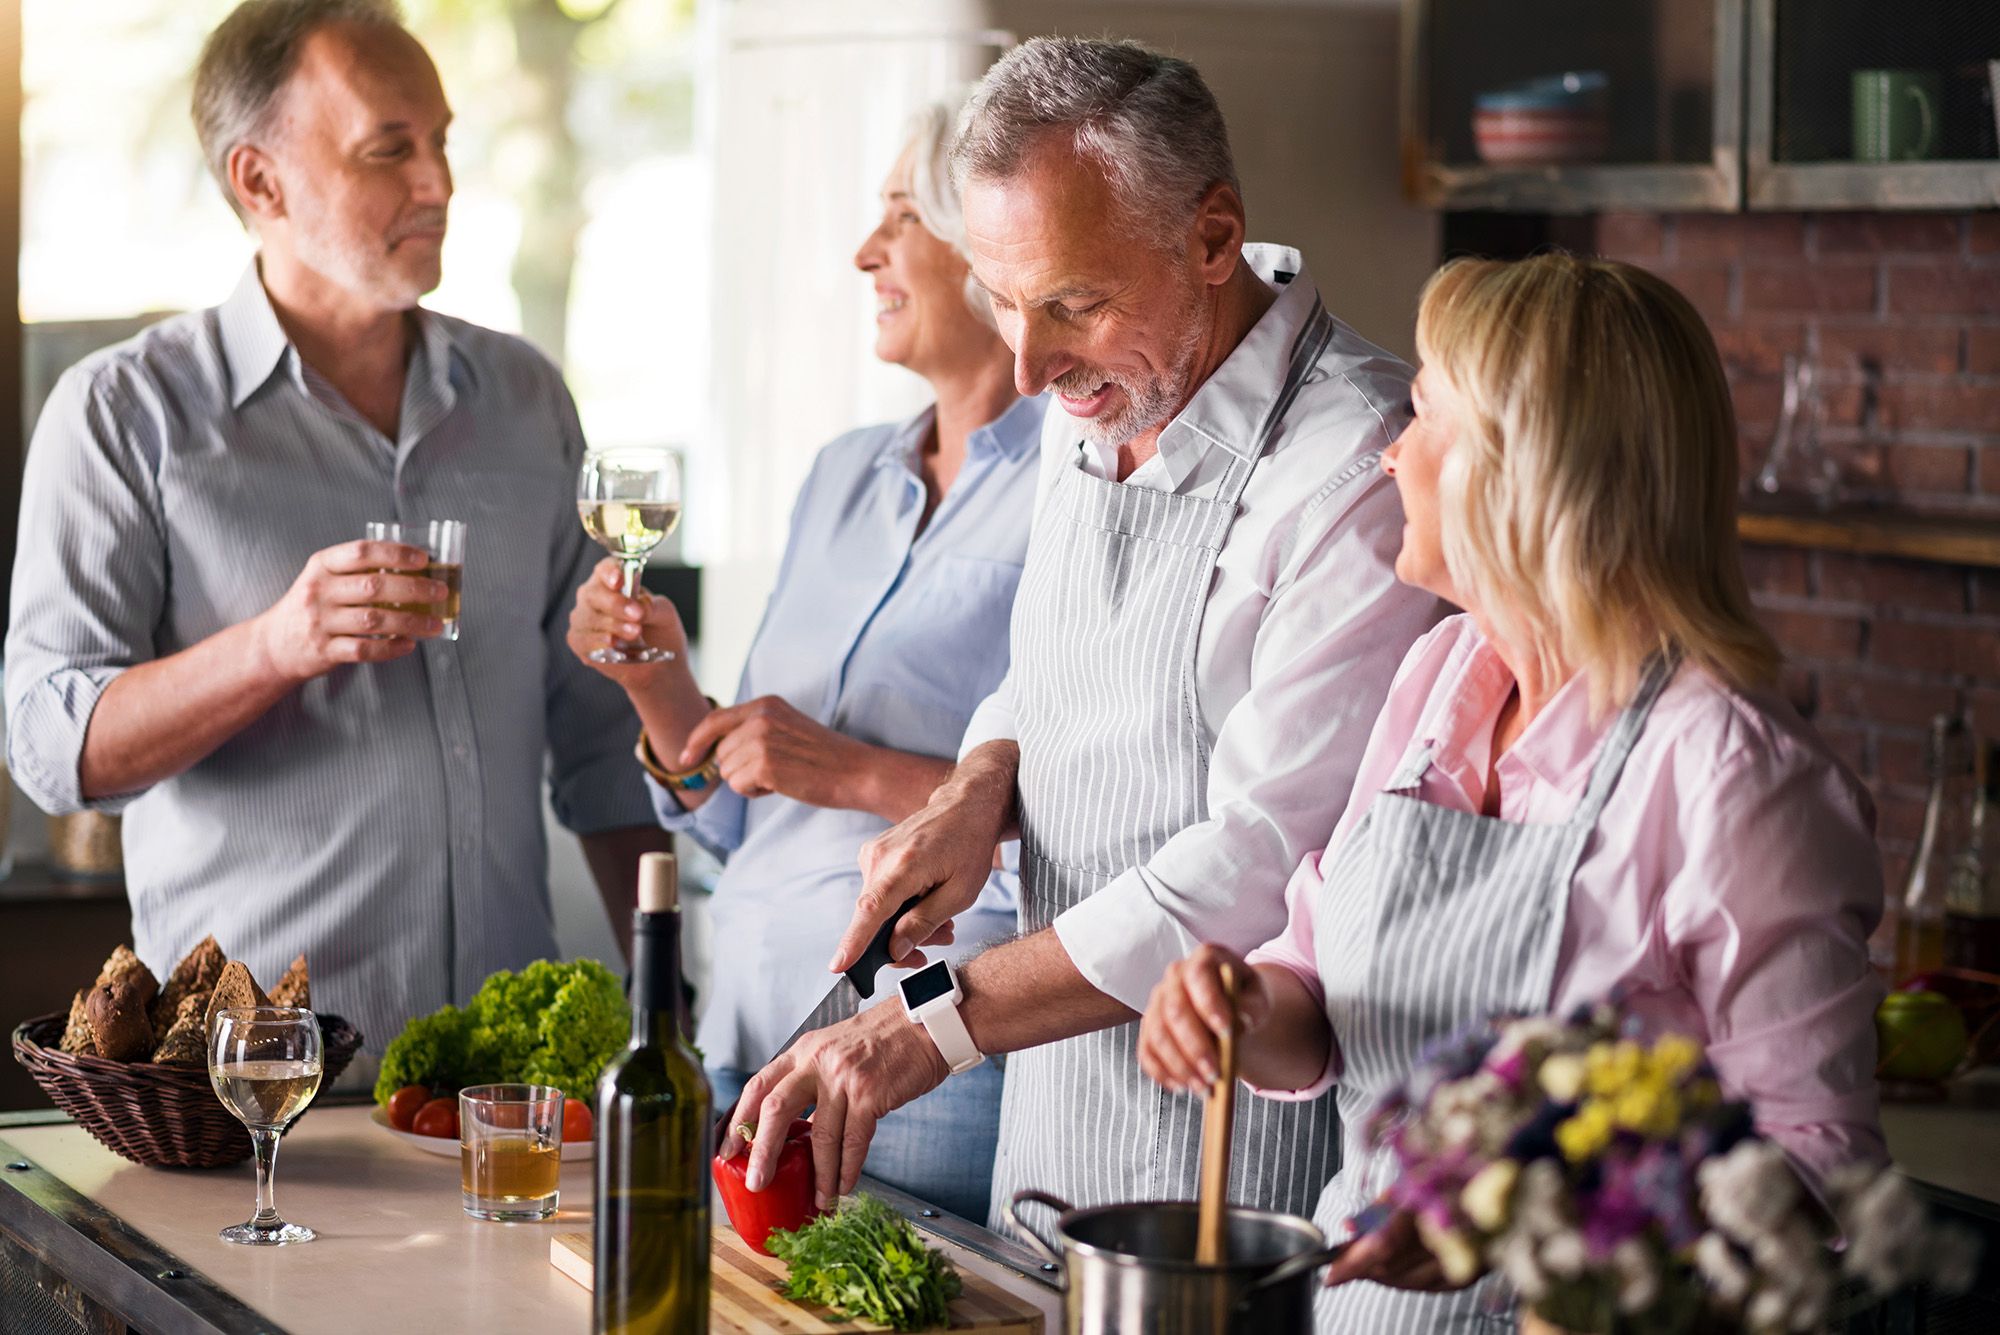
<point>1207,624</point>
<point>202,640</point>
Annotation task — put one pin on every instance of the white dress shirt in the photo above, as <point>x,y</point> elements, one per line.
<point>1302,633</point>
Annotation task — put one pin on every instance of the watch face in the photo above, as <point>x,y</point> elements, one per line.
<point>927,985</point>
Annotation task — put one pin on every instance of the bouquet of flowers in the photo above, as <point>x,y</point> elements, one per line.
<point>1616,1189</point>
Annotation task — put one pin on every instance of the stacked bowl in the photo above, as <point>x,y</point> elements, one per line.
<point>1557,119</point>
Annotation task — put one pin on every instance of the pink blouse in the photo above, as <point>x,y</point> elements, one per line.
<point>1729,888</point>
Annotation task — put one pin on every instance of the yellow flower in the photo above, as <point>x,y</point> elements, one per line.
<point>1612,1066</point>
<point>1675,1055</point>
<point>1487,1196</point>
<point>1587,1133</point>
<point>1650,1108</point>
<point>1562,1077</point>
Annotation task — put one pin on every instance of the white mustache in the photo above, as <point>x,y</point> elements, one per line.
<point>432,221</point>
<point>1082,382</point>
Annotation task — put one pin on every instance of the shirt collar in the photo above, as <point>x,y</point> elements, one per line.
<point>1557,749</point>
<point>254,344</point>
<point>1012,434</point>
<point>1230,408</point>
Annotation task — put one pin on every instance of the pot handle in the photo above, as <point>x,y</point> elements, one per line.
<point>1292,1269</point>
<point>1030,1196</point>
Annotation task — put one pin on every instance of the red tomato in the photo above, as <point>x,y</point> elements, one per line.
<point>439,1117</point>
<point>403,1105</point>
<point>578,1124</point>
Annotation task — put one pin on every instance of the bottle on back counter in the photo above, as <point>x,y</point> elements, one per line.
<point>1972,899</point>
<point>650,1246</point>
<point>1915,921</point>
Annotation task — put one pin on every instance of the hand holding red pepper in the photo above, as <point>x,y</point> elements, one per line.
<point>786,1204</point>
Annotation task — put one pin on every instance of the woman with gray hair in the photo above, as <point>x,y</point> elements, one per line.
<point>887,627</point>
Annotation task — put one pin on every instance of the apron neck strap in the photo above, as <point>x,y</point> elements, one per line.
<point>1624,736</point>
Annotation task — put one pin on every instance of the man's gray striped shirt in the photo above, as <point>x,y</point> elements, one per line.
<point>384,818</point>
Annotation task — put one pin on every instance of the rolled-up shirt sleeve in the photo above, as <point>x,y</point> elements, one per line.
<point>89,577</point>
<point>1284,759</point>
<point>595,782</point>
<point>993,720</point>
<point>1768,920</point>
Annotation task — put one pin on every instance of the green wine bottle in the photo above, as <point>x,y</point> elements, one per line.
<point>651,1240</point>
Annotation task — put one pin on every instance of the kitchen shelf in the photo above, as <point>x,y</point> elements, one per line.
<point>1970,542</point>
<point>1675,71</point>
<point>1874,185</point>
<point>1581,188</point>
<point>1825,180</point>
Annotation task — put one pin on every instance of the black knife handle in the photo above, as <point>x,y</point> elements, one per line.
<point>862,972</point>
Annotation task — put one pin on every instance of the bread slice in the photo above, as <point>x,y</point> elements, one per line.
<point>235,988</point>
<point>196,975</point>
<point>186,1039</point>
<point>123,966</point>
<point>295,988</point>
<point>77,1038</point>
<point>118,1019</point>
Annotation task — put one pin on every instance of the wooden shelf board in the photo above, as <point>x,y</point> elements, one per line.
<point>1972,542</point>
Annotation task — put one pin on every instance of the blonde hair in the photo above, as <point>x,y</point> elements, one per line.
<point>1588,503</point>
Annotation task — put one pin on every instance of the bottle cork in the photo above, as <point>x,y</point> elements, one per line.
<point>659,883</point>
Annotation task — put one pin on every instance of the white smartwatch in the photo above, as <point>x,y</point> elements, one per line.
<point>930,998</point>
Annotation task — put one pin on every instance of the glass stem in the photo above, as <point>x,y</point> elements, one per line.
<point>265,1141</point>
<point>632,569</point>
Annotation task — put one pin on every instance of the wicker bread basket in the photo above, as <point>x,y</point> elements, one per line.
<point>160,1116</point>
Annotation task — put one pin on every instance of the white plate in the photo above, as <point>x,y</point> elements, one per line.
<point>573,1151</point>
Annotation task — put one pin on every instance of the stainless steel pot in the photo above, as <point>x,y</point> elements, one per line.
<point>1130,1269</point>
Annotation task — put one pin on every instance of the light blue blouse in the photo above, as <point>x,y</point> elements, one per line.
<point>887,636</point>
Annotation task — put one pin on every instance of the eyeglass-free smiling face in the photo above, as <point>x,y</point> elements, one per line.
<point>922,320</point>
<point>353,180</point>
<point>1115,324</point>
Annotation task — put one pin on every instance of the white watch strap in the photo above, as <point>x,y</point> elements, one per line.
<point>954,1042</point>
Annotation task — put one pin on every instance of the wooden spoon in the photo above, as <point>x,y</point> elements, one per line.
<point>1211,1239</point>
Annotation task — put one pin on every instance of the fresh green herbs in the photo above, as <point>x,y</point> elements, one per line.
<point>867,1261</point>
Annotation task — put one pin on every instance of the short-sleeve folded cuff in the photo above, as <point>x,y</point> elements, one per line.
<point>45,740</point>
<point>1122,941</point>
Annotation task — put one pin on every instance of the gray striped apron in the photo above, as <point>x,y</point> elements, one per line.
<point>1430,919</point>
<point>1114,762</point>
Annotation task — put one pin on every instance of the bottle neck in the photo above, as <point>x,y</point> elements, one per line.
<point>656,978</point>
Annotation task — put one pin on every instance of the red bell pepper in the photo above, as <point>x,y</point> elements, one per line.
<point>786,1204</point>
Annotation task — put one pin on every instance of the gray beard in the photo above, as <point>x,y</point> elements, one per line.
<point>1150,402</point>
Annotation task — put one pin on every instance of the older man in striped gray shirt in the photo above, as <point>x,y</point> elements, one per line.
<point>199,640</point>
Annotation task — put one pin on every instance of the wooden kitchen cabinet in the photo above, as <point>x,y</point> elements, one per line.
<point>1710,105</point>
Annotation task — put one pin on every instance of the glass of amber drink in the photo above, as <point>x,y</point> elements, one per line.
<point>444,539</point>
<point>510,1150</point>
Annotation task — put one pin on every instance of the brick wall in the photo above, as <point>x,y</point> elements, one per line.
<point>1900,312</point>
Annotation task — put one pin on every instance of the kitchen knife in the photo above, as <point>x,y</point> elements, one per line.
<point>855,985</point>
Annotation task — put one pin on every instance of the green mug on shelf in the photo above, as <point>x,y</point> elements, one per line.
<point>1896,114</point>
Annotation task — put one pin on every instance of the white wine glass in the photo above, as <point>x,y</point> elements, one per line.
<point>265,1064</point>
<point>629,500</point>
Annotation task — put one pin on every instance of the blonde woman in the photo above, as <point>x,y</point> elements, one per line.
<point>1585,783</point>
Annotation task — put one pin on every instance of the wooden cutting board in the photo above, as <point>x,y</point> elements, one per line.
<point>747,1301</point>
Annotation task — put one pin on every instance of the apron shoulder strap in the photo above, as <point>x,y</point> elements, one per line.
<point>1624,736</point>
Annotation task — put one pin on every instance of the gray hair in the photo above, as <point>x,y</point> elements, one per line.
<point>246,62</point>
<point>1145,119</point>
<point>935,194</point>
